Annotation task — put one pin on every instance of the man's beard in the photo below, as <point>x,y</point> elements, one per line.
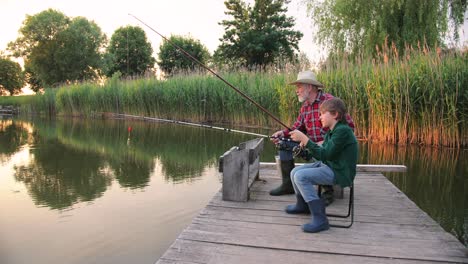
<point>303,98</point>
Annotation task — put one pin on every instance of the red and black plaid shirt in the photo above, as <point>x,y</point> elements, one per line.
<point>308,120</point>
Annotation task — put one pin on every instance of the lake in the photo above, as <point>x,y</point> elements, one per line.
<point>120,191</point>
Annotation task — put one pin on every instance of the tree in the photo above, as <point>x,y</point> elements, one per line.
<point>31,78</point>
<point>358,26</point>
<point>258,35</point>
<point>38,29</point>
<point>57,49</point>
<point>11,77</point>
<point>78,55</point>
<point>171,59</point>
<point>129,52</point>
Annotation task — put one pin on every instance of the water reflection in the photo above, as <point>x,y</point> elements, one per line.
<point>13,135</point>
<point>131,173</point>
<point>60,176</point>
<point>73,161</point>
<point>130,148</point>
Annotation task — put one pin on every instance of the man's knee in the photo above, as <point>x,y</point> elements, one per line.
<point>285,155</point>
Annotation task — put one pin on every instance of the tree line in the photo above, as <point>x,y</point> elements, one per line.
<point>58,50</point>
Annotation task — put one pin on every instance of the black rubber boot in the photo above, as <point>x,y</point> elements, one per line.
<point>286,186</point>
<point>327,194</point>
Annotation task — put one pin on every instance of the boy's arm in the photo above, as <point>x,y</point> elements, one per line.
<point>332,145</point>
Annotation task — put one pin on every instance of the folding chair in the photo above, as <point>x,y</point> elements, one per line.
<point>350,208</point>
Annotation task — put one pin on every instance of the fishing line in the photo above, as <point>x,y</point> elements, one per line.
<point>214,73</point>
<point>154,119</point>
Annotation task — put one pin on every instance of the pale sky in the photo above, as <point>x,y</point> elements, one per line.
<point>196,18</point>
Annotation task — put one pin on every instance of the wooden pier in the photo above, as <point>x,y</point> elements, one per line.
<point>8,110</point>
<point>388,228</point>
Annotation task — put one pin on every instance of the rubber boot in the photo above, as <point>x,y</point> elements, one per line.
<point>327,194</point>
<point>300,207</point>
<point>319,220</point>
<point>286,186</point>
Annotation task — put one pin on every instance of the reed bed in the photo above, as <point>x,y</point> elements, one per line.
<point>419,97</point>
<point>195,97</point>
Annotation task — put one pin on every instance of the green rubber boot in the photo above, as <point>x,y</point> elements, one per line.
<point>286,186</point>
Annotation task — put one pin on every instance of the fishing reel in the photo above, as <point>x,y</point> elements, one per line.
<point>301,152</point>
<point>285,145</point>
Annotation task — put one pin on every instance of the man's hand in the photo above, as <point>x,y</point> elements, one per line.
<point>275,137</point>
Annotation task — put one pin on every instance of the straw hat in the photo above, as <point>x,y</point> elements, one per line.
<point>307,77</point>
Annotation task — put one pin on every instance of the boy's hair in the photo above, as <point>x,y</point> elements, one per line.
<point>335,105</point>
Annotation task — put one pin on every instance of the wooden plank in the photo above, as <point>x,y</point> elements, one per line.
<point>240,168</point>
<point>254,171</point>
<point>279,217</point>
<point>322,247</point>
<point>359,167</point>
<point>254,160</point>
<point>235,185</point>
<point>221,158</point>
<point>368,232</point>
<point>380,168</point>
<point>205,252</point>
<point>255,147</point>
<point>366,210</point>
<point>386,197</point>
<point>332,241</point>
<point>388,228</point>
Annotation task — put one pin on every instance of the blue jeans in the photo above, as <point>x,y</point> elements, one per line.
<point>306,176</point>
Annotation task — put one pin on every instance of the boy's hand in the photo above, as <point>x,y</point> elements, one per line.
<point>298,136</point>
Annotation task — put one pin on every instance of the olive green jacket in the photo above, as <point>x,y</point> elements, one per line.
<point>339,151</point>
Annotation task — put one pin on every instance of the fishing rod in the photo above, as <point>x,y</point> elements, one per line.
<point>154,119</point>
<point>214,73</point>
<point>192,124</point>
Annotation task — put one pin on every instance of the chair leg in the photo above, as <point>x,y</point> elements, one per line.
<point>350,210</point>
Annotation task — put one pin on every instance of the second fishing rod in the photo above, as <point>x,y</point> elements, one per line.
<point>188,55</point>
<point>281,145</point>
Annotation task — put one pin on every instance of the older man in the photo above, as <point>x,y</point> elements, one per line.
<point>310,93</point>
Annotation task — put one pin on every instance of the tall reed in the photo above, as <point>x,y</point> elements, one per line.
<point>418,97</point>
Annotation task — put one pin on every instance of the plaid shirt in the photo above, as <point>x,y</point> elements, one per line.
<point>308,120</point>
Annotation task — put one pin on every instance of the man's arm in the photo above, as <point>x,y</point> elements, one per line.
<point>350,121</point>
<point>298,125</point>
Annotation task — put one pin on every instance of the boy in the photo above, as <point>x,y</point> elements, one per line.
<point>337,158</point>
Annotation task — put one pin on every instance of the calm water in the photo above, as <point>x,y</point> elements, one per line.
<point>74,191</point>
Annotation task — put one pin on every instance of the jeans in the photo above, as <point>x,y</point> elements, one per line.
<point>306,176</point>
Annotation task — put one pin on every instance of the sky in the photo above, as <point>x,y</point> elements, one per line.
<point>196,18</point>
